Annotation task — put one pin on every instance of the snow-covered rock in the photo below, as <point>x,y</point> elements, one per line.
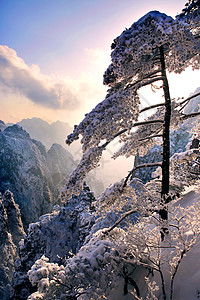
<point>2,125</point>
<point>32,174</point>
<point>14,221</point>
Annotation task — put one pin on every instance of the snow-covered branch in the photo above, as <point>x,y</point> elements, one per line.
<point>146,165</point>
<point>125,215</point>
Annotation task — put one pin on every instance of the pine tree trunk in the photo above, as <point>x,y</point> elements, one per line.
<point>166,142</point>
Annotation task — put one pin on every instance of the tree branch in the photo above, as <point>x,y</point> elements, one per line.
<point>152,106</point>
<point>187,100</point>
<point>116,135</point>
<point>134,125</point>
<point>148,122</point>
<point>196,162</point>
<point>187,10</point>
<point>139,85</point>
<point>175,271</point>
<point>150,137</point>
<point>148,76</point>
<point>126,214</point>
<point>192,115</point>
<point>147,165</point>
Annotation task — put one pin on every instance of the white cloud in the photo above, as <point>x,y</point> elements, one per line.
<point>17,77</point>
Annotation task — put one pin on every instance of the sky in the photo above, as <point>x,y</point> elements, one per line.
<point>53,54</point>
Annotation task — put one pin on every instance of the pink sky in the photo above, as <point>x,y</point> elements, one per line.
<point>54,54</point>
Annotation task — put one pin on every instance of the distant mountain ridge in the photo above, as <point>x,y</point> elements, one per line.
<point>49,134</point>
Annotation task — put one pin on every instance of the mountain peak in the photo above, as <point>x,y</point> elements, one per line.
<point>16,130</point>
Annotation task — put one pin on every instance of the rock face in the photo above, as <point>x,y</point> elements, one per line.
<point>11,232</point>
<point>2,125</point>
<point>60,163</point>
<point>28,171</point>
<point>56,235</point>
<point>14,221</point>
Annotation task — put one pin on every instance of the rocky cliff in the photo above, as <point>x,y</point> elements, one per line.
<point>11,232</point>
<point>33,174</point>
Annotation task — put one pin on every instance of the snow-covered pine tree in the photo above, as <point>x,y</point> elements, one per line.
<point>141,55</point>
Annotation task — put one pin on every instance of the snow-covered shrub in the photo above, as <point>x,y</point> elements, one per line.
<point>92,272</point>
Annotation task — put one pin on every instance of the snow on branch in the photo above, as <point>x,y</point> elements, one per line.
<point>146,165</point>
<point>125,215</point>
<point>117,112</point>
<point>144,138</point>
<point>151,107</point>
<point>74,184</point>
<point>189,7</point>
<point>134,50</point>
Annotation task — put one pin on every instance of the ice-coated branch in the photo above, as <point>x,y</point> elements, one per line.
<point>89,161</point>
<point>187,10</point>
<point>134,125</point>
<point>148,122</point>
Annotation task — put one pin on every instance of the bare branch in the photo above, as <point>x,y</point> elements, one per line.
<point>187,100</point>
<point>152,106</point>
<point>192,115</point>
<point>150,137</point>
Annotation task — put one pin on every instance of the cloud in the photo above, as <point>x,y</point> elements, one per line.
<point>17,77</point>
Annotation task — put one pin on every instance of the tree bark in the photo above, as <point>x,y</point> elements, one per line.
<point>166,142</point>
